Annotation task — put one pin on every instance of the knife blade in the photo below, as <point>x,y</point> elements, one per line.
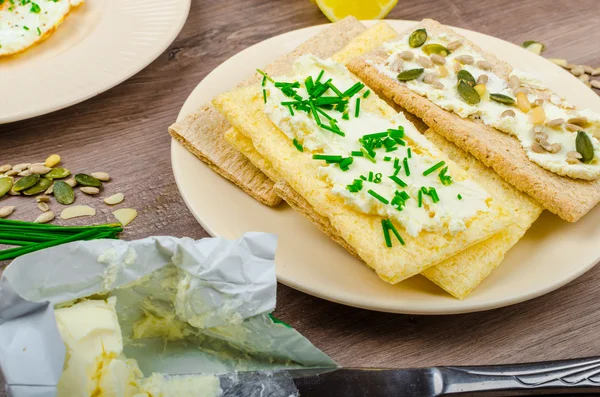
<point>569,377</point>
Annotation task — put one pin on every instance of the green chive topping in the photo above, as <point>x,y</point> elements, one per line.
<point>366,94</point>
<point>298,145</point>
<point>345,163</point>
<point>356,153</point>
<point>357,111</point>
<point>367,155</point>
<point>393,229</point>
<point>445,179</point>
<point>433,168</point>
<point>459,197</point>
<point>265,95</point>
<point>409,152</point>
<point>378,197</point>
<point>356,186</point>
<point>406,168</point>
<point>420,201</point>
<point>387,158</point>
<point>266,76</point>
<point>386,233</point>
<point>327,157</point>
<point>397,180</point>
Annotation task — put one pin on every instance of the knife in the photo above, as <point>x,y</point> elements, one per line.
<point>568,377</point>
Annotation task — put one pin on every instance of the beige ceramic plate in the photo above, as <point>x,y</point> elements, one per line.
<point>99,45</point>
<point>552,253</point>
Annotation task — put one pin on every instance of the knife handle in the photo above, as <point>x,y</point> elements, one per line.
<point>577,376</point>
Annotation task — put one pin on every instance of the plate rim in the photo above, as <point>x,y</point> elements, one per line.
<point>47,109</point>
<point>397,309</point>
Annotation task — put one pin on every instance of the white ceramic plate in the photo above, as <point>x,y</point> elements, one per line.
<point>99,45</point>
<point>552,253</point>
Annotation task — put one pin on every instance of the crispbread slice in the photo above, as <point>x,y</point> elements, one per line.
<point>244,109</point>
<point>566,197</point>
<point>202,131</point>
<point>463,272</point>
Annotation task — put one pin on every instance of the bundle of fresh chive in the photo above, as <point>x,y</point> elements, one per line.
<point>29,237</point>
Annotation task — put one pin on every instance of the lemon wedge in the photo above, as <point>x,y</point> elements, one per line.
<point>335,10</point>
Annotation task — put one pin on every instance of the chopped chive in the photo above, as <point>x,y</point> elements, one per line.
<point>327,100</point>
<point>345,163</point>
<point>393,229</point>
<point>366,154</point>
<point>387,158</point>
<point>400,142</point>
<point>396,162</point>
<point>335,131</point>
<point>397,180</point>
<point>346,116</point>
<point>309,84</point>
<point>298,145</point>
<point>264,81</point>
<point>327,157</point>
<point>404,195</point>
<point>319,76</point>
<point>420,200</point>
<point>356,153</point>
<point>290,103</point>
<point>376,135</point>
<point>265,75</point>
<point>265,95</point>
<point>353,90</point>
<point>406,168</point>
<point>409,152</point>
<point>364,178</point>
<point>433,194</point>
<point>357,111</point>
<point>433,168</point>
<point>39,31</point>
<point>378,197</point>
<point>315,114</point>
<point>291,110</point>
<point>367,93</point>
<point>397,171</point>
<point>283,84</point>
<point>459,197</point>
<point>370,176</point>
<point>391,149</point>
<point>328,117</point>
<point>334,88</point>
<point>386,233</point>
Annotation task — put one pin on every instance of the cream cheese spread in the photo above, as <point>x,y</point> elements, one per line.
<point>388,168</point>
<point>528,126</point>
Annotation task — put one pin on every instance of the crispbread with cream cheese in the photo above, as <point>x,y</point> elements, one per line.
<point>202,132</point>
<point>567,197</point>
<point>463,272</point>
<point>244,108</point>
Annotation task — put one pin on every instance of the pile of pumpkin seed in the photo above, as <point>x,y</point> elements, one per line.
<point>47,179</point>
<point>585,73</point>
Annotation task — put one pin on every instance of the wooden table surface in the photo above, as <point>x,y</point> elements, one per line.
<point>124,132</point>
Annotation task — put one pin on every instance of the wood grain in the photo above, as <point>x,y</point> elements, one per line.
<point>124,132</point>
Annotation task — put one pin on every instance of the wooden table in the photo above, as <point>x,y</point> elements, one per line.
<point>124,132</point>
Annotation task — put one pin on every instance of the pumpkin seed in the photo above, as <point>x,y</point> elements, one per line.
<point>468,93</point>
<point>88,180</point>
<point>467,77</point>
<point>90,190</point>
<point>417,38</point>
<point>584,146</point>
<point>125,215</point>
<point>52,160</point>
<point>63,192</point>
<point>77,211</point>
<point>501,98</point>
<point>114,199</point>
<point>101,176</point>
<point>435,49</point>
<point>45,217</point>
<point>5,185</point>
<point>6,211</point>
<point>407,75</point>
<point>43,207</point>
<point>58,173</point>
<point>26,182</point>
<point>5,168</point>
<point>39,187</point>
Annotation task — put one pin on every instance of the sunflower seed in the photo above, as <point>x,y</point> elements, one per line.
<point>465,59</point>
<point>454,45</point>
<point>43,207</point>
<point>71,182</point>
<point>11,173</point>
<point>577,71</point>
<point>514,82</point>
<point>588,69</point>
<point>114,199</point>
<point>7,211</point>
<point>595,83</point>
<point>457,66</point>
<point>559,62</point>
<point>396,64</point>
<point>485,65</point>
<point>438,59</point>
<point>42,199</point>
<point>538,102</point>
<point>570,66</point>
<point>437,85</point>
<point>90,190</point>
<point>584,77</point>
<point>36,165</point>
<point>50,190</point>
<point>45,217</point>
<point>407,55</point>
<point>101,176</point>
<point>12,192</point>
<point>429,78</point>
<point>125,215</point>
<point>555,122</point>
<point>555,148</point>
<point>521,89</point>
<point>52,160</point>
<point>574,154</point>
<point>442,71</point>
<point>77,211</point>
<point>541,136</point>
<point>24,173</point>
<point>5,168</point>
<point>537,148</point>
<point>572,127</point>
<point>596,72</point>
<point>425,62</point>
<point>580,121</point>
<point>508,113</point>
<point>21,167</point>
<point>482,79</point>
<point>39,169</point>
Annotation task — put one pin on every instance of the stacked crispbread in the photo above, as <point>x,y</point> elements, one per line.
<point>250,157</point>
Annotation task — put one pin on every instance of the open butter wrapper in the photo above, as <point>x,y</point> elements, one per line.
<point>143,318</point>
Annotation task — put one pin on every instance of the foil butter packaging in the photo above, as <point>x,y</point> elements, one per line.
<point>184,307</point>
